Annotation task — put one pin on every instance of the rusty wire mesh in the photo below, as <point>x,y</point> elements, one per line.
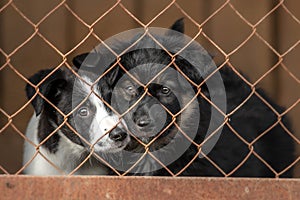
<point>35,26</point>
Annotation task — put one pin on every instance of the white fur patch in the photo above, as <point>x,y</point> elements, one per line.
<point>67,157</point>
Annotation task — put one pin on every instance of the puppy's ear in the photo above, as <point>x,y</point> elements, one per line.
<point>51,88</point>
<point>79,59</point>
<point>112,75</point>
<point>189,70</point>
<point>86,60</point>
<point>178,25</point>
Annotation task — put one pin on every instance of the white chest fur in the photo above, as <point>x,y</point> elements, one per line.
<point>67,157</point>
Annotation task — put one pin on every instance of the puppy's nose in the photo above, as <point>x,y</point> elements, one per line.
<point>117,134</point>
<point>143,121</point>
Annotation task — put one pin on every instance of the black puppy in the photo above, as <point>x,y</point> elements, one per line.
<point>168,111</point>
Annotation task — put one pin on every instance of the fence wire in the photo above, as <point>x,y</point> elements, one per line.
<point>35,26</point>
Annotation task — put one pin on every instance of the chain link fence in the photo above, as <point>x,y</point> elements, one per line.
<point>261,40</point>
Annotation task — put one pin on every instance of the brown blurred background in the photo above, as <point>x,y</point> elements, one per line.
<point>226,29</point>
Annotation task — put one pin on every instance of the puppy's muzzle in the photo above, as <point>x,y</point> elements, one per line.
<point>117,134</point>
<point>143,121</point>
<point>149,118</point>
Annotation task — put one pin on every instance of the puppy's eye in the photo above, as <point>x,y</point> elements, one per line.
<point>165,90</point>
<point>130,90</point>
<point>83,112</point>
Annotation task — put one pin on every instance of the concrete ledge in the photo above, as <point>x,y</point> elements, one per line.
<point>107,187</point>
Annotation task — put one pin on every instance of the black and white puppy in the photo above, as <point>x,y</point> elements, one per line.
<point>52,131</point>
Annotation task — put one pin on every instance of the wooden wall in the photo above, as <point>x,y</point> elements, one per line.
<point>64,31</point>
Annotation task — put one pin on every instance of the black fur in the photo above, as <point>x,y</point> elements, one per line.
<point>46,88</point>
<point>57,89</point>
<point>178,25</point>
